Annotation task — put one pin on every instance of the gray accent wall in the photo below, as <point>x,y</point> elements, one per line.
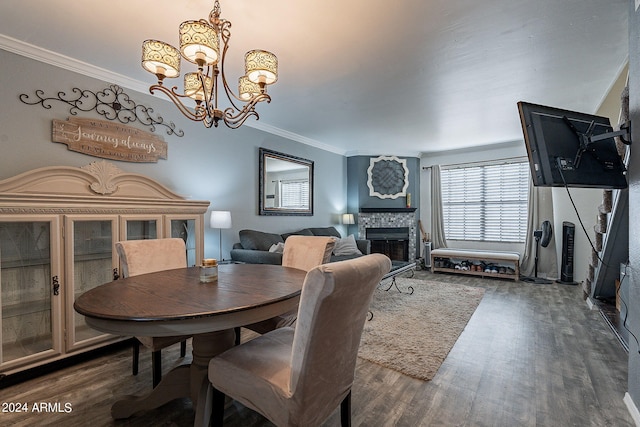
<point>218,164</point>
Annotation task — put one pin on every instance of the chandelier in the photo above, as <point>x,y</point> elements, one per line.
<point>200,44</point>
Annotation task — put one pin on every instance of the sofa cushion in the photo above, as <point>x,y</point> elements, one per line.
<point>346,246</point>
<point>325,231</point>
<point>303,232</point>
<point>258,240</point>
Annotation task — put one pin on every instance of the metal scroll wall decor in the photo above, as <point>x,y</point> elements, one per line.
<point>112,103</point>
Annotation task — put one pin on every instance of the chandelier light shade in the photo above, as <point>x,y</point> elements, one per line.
<point>193,86</point>
<point>247,89</point>
<point>261,66</point>
<point>161,59</point>
<point>205,44</point>
<point>199,43</point>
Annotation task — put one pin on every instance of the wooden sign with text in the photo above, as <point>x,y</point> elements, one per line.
<point>109,140</point>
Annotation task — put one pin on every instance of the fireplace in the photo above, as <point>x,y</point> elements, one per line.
<point>390,241</point>
<point>390,221</point>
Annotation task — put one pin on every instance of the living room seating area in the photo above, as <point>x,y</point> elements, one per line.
<point>258,247</point>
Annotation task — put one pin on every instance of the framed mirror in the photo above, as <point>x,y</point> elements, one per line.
<point>285,184</point>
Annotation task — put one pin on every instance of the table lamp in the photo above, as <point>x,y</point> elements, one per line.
<point>220,220</point>
<point>348,219</point>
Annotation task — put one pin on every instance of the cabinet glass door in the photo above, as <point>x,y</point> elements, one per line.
<point>90,263</point>
<point>141,228</point>
<point>185,228</point>
<point>29,290</point>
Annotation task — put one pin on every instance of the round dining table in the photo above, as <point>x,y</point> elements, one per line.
<point>175,302</point>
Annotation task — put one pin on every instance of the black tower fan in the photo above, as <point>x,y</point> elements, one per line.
<point>566,270</point>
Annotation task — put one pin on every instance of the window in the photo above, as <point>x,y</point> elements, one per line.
<point>295,193</point>
<point>486,202</point>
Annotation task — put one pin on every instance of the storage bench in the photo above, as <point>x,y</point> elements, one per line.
<point>477,262</point>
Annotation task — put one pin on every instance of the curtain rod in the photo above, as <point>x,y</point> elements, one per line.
<point>483,162</point>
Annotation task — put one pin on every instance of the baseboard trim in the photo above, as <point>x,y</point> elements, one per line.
<point>631,407</point>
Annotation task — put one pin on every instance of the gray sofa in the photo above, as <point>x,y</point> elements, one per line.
<point>254,245</point>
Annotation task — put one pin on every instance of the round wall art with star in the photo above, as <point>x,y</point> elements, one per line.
<point>387,177</point>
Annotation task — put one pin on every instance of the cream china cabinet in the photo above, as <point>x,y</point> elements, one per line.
<point>58,228</point>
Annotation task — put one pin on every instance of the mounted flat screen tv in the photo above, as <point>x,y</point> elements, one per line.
<point>572,149</point>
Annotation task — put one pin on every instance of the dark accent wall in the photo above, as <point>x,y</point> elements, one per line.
<point>358,191</point>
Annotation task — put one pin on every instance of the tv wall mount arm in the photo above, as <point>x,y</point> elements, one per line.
<point>586,138</point>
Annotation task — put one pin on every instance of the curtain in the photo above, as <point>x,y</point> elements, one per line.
<point>437,221</point>
<point>540,209</point>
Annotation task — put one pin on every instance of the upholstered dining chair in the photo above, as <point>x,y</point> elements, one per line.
<point>303,253</point>
<point>148,256</point>
<point>299,376</point>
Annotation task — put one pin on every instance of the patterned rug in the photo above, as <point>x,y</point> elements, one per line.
<point>414,333</point>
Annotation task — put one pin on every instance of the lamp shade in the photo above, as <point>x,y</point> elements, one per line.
<point>160,58</point>
<point>193,86</point>
<point>261,66</point>
<point>348,219</point>
<point>220,219</point>
<point>247,89</point>
<point>199,42</point>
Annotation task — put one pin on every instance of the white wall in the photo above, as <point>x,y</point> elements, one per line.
<point>217,164</point>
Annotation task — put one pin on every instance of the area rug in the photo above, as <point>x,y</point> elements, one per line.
<point>414,333</point>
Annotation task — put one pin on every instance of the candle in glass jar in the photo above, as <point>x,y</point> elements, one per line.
<point>209,270</point>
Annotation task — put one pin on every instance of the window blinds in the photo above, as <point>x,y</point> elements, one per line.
<point>486,202</point>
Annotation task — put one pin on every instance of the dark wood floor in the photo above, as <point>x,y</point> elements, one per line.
<point>531,355</point>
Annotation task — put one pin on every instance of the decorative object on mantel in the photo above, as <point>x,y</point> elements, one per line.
<point>387,177</point>
<point>112,103</point>
<point>200,44</point>
<point>107,140</point>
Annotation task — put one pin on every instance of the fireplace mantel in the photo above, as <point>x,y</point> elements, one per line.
<point>387,210</point>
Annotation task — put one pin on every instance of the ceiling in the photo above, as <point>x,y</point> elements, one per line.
<point>361,76</point>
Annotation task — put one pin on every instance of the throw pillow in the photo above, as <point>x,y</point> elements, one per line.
<point>346,246</point>
<point>277,248</point>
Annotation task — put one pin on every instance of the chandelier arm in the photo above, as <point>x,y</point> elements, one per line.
<point>225,34</point>
<point>196,115</point>
<point>211,96</point>
<point>237,120</point>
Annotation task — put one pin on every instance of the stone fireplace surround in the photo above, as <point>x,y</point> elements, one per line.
<point>390,217</point>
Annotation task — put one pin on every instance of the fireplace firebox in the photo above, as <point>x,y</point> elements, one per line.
<point>390,241</point>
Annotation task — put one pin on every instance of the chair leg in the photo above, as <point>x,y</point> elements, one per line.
<point>183,348</point>
<point>345,411</point>
<point>238,335</point>
<point>156,367</point>
<point>217,408</point>
<point>136,356</point>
